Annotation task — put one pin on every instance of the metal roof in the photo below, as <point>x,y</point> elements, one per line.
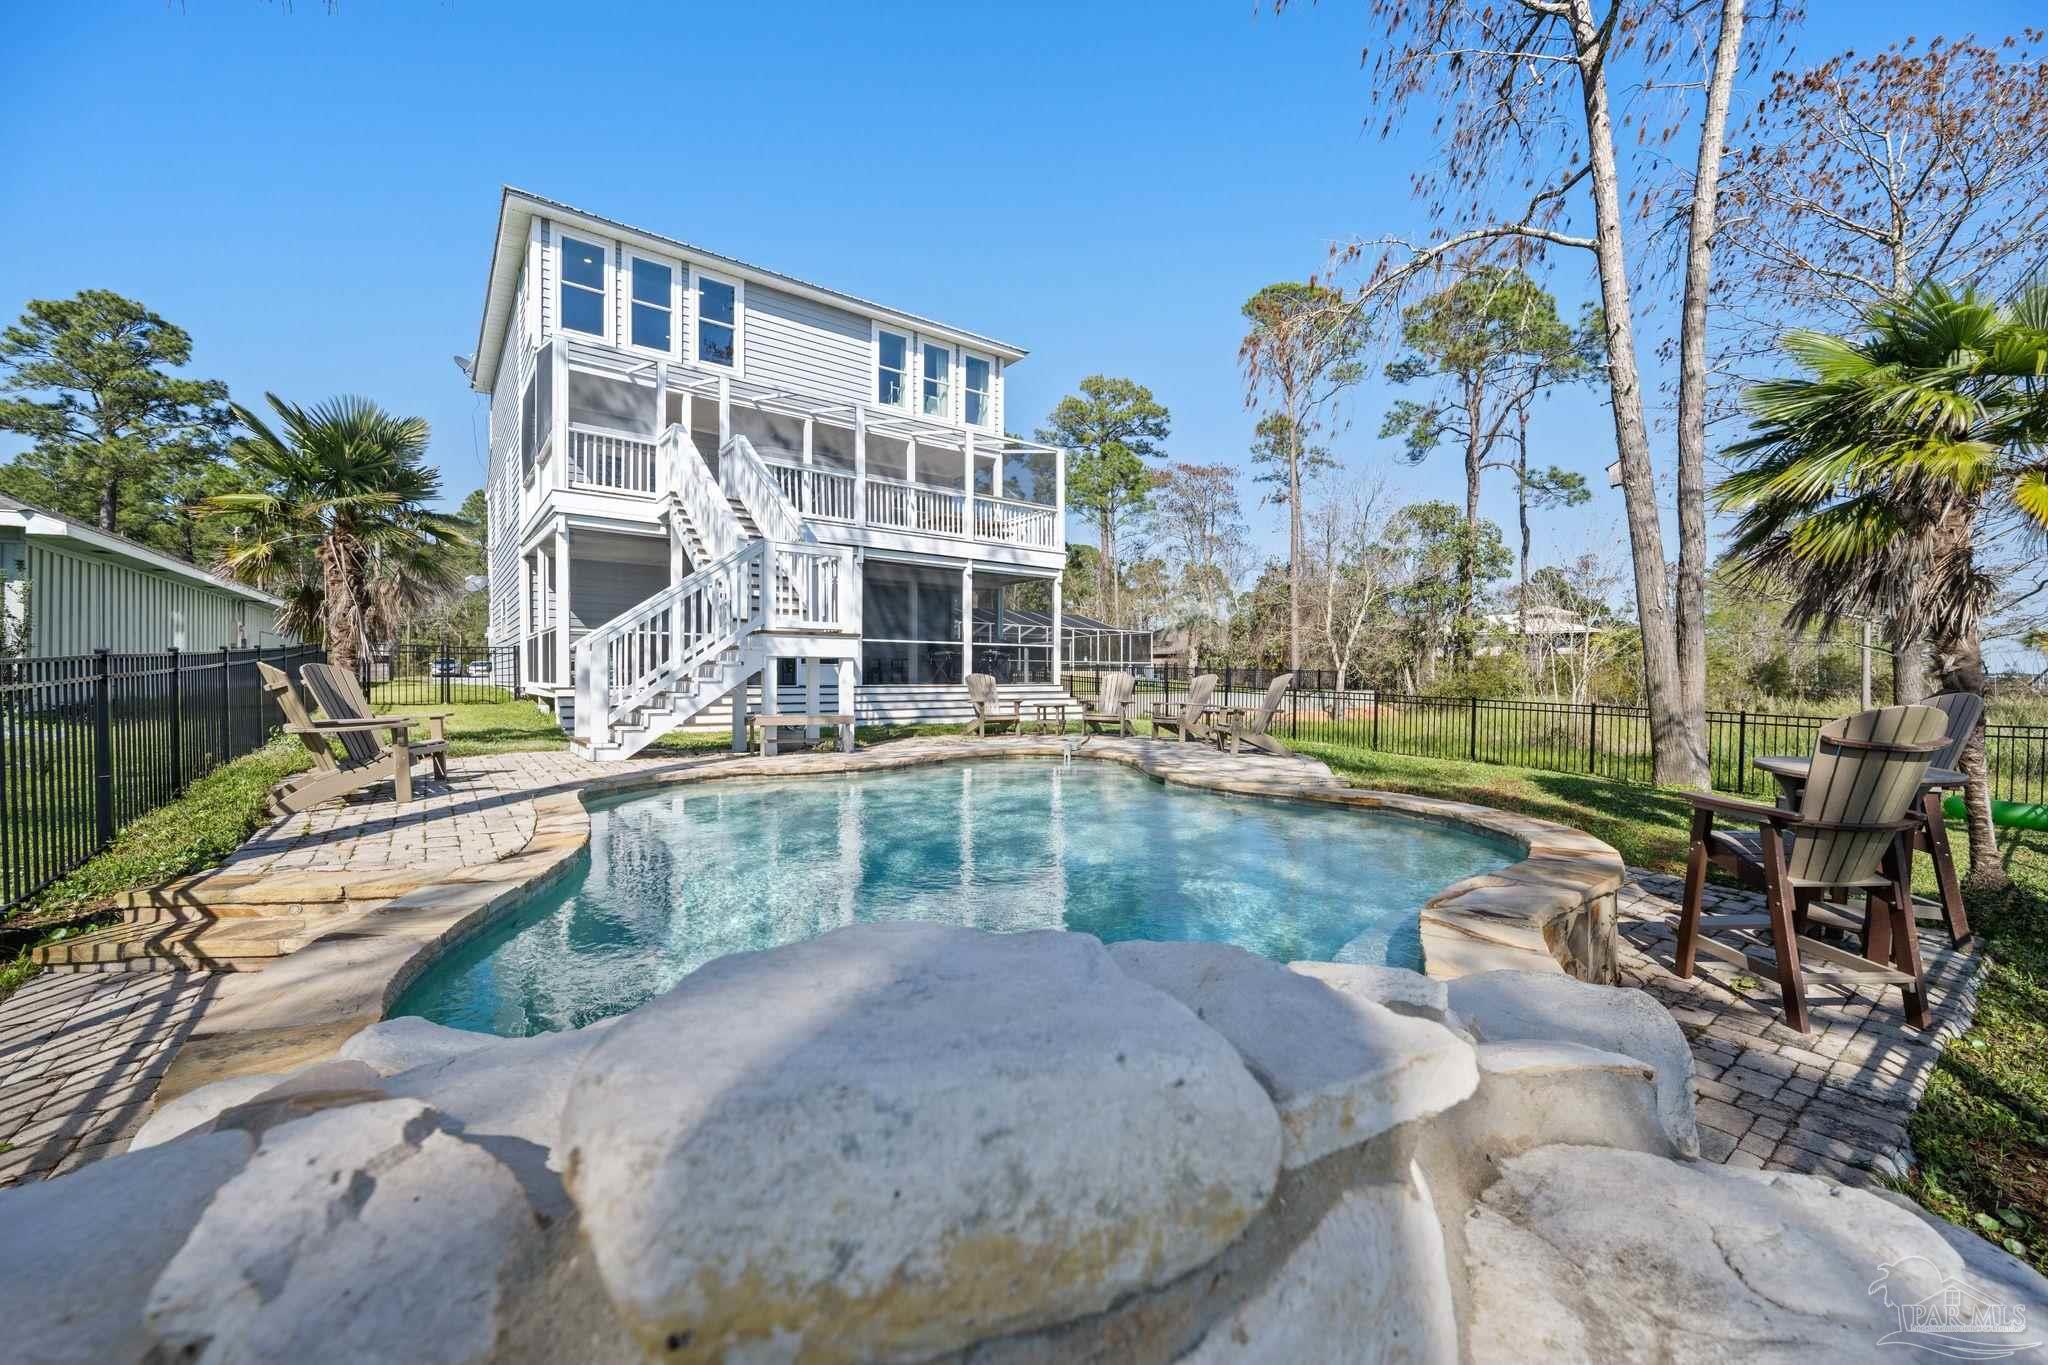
<point>517,207</point>
<point>40,521</point>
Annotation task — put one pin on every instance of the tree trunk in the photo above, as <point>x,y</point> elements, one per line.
<point>1961,665</point>
<point>338,605</point>
<point>110,506</point>
<point>1909,664</point>
<point>1293,538</point>
<point>1693,378</point>
<point>1522,515</point>
<point>1105,535</point>
<point>1678,756</point>
<point>1475,455</point>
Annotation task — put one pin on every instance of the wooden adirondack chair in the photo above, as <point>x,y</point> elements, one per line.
<point>1237,725</point>
<point>330,779</point>
<point>1112,708</point>
<point>1188,718</point>
<point>1849,832</point>
<point>340,697</point>
<point>988,705</point>
<point>1964,710</point>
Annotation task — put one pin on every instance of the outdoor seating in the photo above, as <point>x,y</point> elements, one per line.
<point>990,707</point>
<point>1188,718</point>
<point>1237,725</point>
<point>1112,705</point>
<point>1849,832</point>
<point>768,727</point>
<point>364,762</point>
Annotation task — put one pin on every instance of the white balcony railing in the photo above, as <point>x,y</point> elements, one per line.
<point>823,494</point>
<point>913,507</point>
<point>1015,523</point>
<point>611,461</point>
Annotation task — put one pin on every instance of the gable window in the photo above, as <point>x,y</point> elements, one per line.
<point>582,286</point>
<point>892,364</point>
<point>718,324</point>
<point>938,381</point>
<point>651,321</point>
<point>979,397</point>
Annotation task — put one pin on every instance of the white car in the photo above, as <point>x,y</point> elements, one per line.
<point>479,668</point>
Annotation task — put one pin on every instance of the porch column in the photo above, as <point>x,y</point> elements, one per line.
<point>966,619</point>
<point>860,464</point>
<point>565,674</point>
<point>846,691</point>
<point>967,458</point>
<point>520,666</point>
<point>724,410</point>
<point>1057,632</point>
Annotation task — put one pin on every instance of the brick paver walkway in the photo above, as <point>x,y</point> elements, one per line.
<point>80,1054</point>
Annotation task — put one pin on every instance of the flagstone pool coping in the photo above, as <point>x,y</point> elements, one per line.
<point>1555,910</point>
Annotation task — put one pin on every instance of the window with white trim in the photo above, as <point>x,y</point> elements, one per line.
<point>650,317</point>
<point>892,369</point>
<point>583,291</point>
<point>978,391</point>
<point>718,321</point>
<point>938,381</point>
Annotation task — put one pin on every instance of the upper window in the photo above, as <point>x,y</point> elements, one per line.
<point>582,286</point>
<point>979,399</point>
<point>717,321</point>
<point>892,361</point>
<point>938,381</point>
<point>652,320</point>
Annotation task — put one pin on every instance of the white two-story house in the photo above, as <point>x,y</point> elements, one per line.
<point>713,486</point>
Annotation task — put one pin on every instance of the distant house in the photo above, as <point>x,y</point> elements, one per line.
<point>81,589</point>
<point>1556,630</point>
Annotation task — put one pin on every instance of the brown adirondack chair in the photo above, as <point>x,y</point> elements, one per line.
<point>988,705</point>
<point>340,697</point>
<point>1188,718</point>
<point>363,762</point>
<point>1850,832</point>
<point>1238,725</point>
<point>1112,705</point>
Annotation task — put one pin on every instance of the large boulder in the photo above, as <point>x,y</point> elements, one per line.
<point>1341,1068</point>
<point>1547,1007</point>
<point>196,1108</point>
<point>1369,1285</point>
<point>1587,1253</point>
<point>82,1251</point>
<point>394,1045</point>
<point>898,1139</point>
<point>360,1233</point>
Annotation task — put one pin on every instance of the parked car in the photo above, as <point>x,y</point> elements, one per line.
<point>446,668</point>
<point>479,668</point>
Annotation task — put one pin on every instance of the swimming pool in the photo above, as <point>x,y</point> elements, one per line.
<point>680,876</point>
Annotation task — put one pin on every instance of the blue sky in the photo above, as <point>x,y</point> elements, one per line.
<point>312,195</point>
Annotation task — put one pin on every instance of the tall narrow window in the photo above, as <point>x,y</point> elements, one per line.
<point>653,304</point>
<point>717,321</point>
<point>582,286</point>
<point>938,381</point>
<point>892,359</point>
<point>980,410</point>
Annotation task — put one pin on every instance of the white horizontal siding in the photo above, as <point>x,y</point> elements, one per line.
<point>502,485</point>
<point>806,346</point>
<point>79,603</point>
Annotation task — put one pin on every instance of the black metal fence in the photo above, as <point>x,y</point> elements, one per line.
<point>440,673</point>
<point>1595,738</point>
<point>90,742</point>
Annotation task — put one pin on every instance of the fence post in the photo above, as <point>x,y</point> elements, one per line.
<point>1375,720</point>
<point>103,745</point>
<point>227,706</point>
<point>1742,749</point>
<point>177,721</point>
<point>444,677</point>
<point>1473,747</point>
<point>1593,738</point>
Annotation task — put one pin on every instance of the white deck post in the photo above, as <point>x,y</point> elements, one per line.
<point>1059,501</point>
<point>565,671</point>
<point>860,464</point>
<point>966,619</point>
<point>1058,579</point>
<point>846,690</point>
<point>521,668</point>
<point>665,479</point>
<point>724,411</point>
<point>967,487</point>
<point>810,667</point>
<point>739,716</point>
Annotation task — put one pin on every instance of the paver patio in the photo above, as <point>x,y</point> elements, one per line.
<point>81,1053</point>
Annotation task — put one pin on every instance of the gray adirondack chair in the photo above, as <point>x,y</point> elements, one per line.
<point>1188,718</point>
<point>1237,725</point>
<point>1112,706</point>
<point>1850,832</point>
<point>340,697</point>
<point>363,762</point>
<point>989,704</point>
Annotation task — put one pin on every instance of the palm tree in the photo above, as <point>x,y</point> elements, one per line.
<point>338,524</point>
<point>1869,477</point>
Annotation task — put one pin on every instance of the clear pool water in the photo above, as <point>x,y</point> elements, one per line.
<point>679,877</point>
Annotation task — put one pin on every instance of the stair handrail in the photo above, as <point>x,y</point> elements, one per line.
<point>622,664</point>
<point>745,475</point>
<point>701,499</point>
<point>819,582</point>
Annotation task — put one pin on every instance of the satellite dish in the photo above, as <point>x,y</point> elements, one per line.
<point>465,364</point>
